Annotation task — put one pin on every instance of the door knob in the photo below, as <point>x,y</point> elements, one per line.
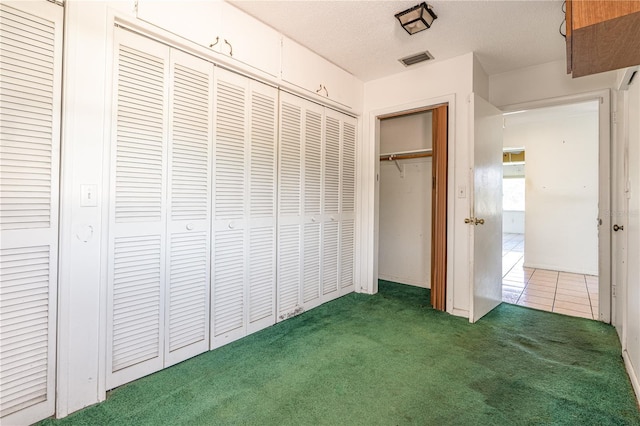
<point>617,228</point>
<point>468,220</point>
<point>479,221</point>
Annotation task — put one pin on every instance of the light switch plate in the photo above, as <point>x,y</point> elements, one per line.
<point>88,195</point>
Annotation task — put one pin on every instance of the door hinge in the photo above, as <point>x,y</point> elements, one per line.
<point>614,117</point>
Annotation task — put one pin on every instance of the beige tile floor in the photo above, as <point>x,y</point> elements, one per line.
<point>553,291</point>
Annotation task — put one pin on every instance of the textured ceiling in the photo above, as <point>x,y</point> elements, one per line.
<point>364,37</point>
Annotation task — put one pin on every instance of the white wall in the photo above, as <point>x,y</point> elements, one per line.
<point>561,193</point>
<point>80,339</point>
<point>405,202</point>
<point>446,81</point>
<point>543,81</point>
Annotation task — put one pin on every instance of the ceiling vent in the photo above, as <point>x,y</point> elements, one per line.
<point>416,59</point>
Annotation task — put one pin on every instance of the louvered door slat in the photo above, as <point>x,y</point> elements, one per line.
<point>288,269</point>
<point>312,258</point>
<point>140,152</point>
<point>228,287</point>
<point>329,257</point>
<point>189,174</point>
<point>347,253</point>
<point>137,231</point>
<point>331,165</point>
<point>348,168</point>
<point>27,85</point>
<point>312,163</point>
<point>24,326</point>
<point>290,169</point>
<point>230,150</point>
<point>261,273</point>
<point>30,99</point>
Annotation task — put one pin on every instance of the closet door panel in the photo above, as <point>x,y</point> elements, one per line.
<point>137,241</point>
<point>190,129</point>
<point>30,88</point>
<point>331,205</point>
<point>263,132</point>
<point>347,204</point>
<point>312,207</point>
<point>228,291</point>
<point>289,206</point>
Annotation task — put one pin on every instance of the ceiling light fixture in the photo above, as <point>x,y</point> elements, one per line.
<point>417,18</point>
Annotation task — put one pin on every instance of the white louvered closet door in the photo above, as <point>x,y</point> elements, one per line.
<point>347,204</point>
<point>244,274</point>
<point>228,290</point>
<point>137,219</point>
<point>262,186</point>
<point>189,220</point>
<point>312,143</point>
<point>30,92</point>
<point>290,206</point>
<point>331,205</point>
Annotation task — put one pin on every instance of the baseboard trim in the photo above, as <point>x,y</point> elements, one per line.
<point>632,374</point>
<point>460,313</point>
<point>402,280</point>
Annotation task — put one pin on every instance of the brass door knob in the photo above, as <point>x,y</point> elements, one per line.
<point>479,221</point>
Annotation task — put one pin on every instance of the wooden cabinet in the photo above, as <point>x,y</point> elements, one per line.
<point>307,70</point>
<point>602,35</point>
<point>219,26</point>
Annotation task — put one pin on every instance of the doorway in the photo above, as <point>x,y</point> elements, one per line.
<point>413,199</point>
<point>550,203</point>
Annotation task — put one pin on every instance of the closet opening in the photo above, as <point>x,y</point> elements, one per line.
<point>413,200</point>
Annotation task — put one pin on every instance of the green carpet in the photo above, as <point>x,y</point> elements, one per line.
<point>390,359</point>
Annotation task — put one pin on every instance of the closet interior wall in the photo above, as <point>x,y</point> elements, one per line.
<point>209,240</point>
<point>405,200</point>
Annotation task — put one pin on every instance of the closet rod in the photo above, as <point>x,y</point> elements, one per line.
<point>393,157</point>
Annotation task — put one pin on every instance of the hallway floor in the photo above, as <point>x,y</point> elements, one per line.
<point>553,291</point>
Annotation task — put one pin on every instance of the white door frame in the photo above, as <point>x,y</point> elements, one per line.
<point>374,129</point>
<point>604,184</point>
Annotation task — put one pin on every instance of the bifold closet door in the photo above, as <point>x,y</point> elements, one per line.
<point>316,215</point>
<point>137,228</point>
<point>347,204</point>
<point>290,206</point>
<point>158,266</point>
<point>331,206</point>
<point>244,270</point>
<point>189,201</point>
<point>30,93</point>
